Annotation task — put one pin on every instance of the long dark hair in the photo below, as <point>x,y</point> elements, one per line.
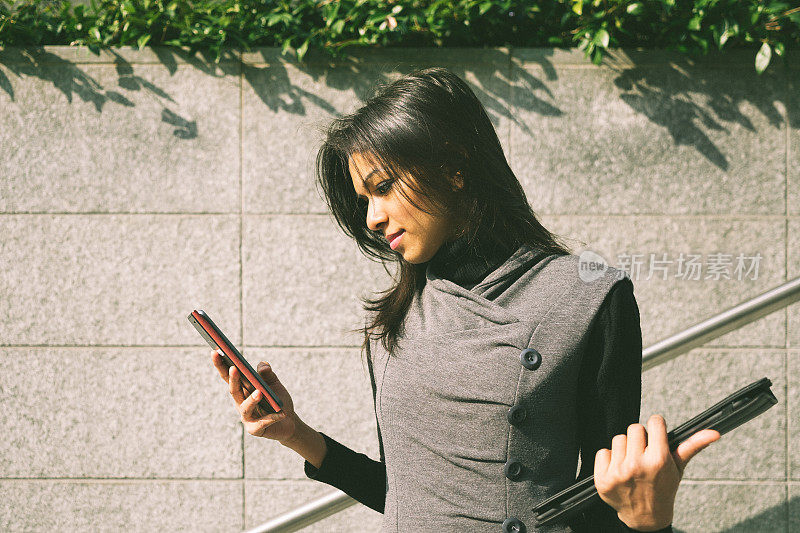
<point>430,125</point>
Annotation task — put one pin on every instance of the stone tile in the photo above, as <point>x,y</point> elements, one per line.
<point>111,506</point>
<point>331,393</point>
<point>265,500</point>
<point>668,306</point>
<point>287,107</point>
<point>302,282</point>
<point>691,383</point>
<point>793,406</point>
<point>674,138</point>
<point>793,264</point>
<point>794,507</point>
<point>116,412</point>
<point>117,279</point>
<point>282,107</point>
<point>702,507</point>
<point>118,138</point>
<point>793,170</point>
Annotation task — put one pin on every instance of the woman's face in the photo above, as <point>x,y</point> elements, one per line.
<point>389,212</point>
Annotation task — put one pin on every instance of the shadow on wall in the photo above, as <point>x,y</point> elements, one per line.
<point>669,95</point>
<point>73,82</point>
<point>782,518</point>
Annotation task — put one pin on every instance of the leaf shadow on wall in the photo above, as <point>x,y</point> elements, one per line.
<point>563,123</point>
<point>75,83</point>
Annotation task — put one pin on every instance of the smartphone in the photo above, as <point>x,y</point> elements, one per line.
<point>269,401</point>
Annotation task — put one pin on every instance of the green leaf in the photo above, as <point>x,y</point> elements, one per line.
<point>635,8</point>
<point>143,40</point>
<point>779,48</point>
<point>302,50</point>
<point>726,32</point>
<point>694,24</point>
<point>286,45</point>
<point>331,12</point>
<point>762,57</point>
<point>601,38</point>
<point>723,39</point>
<point>375,18</point>
<point>577,6</point>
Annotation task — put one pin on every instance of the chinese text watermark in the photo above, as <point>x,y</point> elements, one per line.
<point>686,266</point>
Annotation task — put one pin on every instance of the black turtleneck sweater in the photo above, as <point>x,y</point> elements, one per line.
<point>609,385</point>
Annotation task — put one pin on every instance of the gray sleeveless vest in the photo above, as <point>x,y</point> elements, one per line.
<point>477,406</point>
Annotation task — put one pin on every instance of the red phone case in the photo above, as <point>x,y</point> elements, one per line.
<point>217,340</point>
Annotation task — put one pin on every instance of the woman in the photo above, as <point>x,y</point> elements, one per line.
<point>493,365</point>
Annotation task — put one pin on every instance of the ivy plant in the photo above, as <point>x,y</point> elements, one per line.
<point>767,27</point>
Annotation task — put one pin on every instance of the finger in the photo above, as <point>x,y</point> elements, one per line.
<point>657,444</point>
<point>235,385</point>
<point>244,384</point>
<point>692,446</point>
<point>220,364</point>
<point>637,440</point>
<point>618,447</point>
<point>601,461</point>
<point>265,370</point>
<point>248,406</point>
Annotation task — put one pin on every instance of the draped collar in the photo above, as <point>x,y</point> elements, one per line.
<point>465,264</point>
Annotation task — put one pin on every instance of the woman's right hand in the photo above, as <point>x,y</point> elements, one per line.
<point>277,426</point>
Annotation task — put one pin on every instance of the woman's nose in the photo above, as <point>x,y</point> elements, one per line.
<point>375,216</point>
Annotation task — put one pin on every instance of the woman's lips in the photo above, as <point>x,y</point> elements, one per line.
<point>395,240</point>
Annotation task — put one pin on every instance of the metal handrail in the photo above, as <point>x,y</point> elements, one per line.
<point>662,351</point>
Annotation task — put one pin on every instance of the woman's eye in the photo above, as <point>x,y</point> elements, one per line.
<point>384,187</point>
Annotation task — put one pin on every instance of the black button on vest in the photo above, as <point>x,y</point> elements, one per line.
<point>513,470</point>
<point>513,525</point>
<point>516,414</point>
<point>530,358</point>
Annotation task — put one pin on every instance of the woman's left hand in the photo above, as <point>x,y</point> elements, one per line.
<point>639,476</point>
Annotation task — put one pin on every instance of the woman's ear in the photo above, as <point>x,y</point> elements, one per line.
<point>457,181</point>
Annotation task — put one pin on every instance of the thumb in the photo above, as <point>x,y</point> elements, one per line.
<point>692,446</point>
<point>265,370</point>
